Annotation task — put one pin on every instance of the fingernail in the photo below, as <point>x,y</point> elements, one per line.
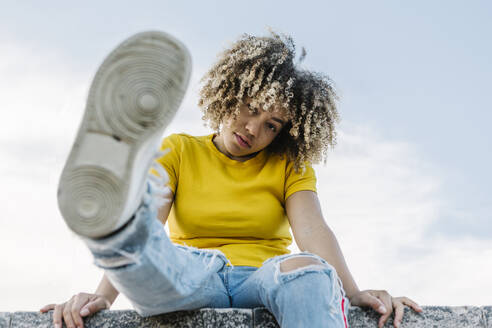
<point>382,309</point>
<point>84,312</point>
<point>57,325</point>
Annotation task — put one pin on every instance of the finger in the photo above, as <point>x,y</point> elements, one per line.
<point>411,304</point>
<point>78,302</point>
<point>94,306</point>
<point>67,315</point>
<point>57,316</point>
<point>385,298</point>
<point>377,305</point>
<point>372,301</point>
<point>48,307</point>
<point>382,320</point>
<point>399,309</point>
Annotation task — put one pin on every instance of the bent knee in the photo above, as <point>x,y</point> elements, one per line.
<point>298,262</point>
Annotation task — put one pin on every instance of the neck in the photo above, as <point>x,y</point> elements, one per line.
<point>219,144</point>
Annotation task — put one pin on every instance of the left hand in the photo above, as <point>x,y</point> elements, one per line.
<point>382,302</point>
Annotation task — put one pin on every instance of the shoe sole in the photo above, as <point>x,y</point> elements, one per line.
<point>134,95</point>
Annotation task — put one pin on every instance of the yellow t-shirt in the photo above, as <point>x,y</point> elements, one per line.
<point>235,207</point>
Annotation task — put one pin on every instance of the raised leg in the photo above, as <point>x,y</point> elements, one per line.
<point>154,274</point>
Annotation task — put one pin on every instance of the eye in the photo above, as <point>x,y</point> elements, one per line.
<point>272,127</point>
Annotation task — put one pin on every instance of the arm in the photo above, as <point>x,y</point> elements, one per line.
<point>312,234</point>
<point>165,209</point>
<point>107,290</point>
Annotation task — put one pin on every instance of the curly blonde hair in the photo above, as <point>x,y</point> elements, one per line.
<point>263,70</point>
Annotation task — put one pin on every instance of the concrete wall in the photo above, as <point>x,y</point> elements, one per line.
<point>433,316</point>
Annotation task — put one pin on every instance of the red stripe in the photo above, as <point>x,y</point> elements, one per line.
<point>343,311</point>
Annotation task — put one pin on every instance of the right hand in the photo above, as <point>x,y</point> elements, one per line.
<point>72,311</point>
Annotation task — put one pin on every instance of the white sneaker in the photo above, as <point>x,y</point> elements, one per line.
<point>133,97</point>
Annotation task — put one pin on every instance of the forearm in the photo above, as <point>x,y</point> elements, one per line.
<point>107,289</point>
<point>327,247</point>
<point>165,209</point>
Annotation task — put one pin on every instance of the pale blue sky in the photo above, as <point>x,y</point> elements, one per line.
<point>414,79</point>
<point>417,71</point>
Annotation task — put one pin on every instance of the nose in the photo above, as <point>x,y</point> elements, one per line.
<point>253,127</point>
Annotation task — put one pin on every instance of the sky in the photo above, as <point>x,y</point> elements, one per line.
<point>406,190</point>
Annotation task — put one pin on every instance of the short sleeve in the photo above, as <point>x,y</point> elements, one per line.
<point>171,160</point>
<point>297,181</point>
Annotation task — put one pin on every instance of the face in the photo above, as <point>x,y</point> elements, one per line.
<point>252,131</point>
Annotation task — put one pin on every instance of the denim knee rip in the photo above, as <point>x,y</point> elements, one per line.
<point>323,267</point>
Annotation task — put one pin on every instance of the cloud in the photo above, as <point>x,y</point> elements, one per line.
<point>384,202</point>
<point>379,196</point>
<point>378,186</point>
<point>463,223</point>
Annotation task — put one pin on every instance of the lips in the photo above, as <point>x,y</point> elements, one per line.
<point>242,141</point>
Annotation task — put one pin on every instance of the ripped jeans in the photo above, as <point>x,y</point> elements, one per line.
<point>158,276</point>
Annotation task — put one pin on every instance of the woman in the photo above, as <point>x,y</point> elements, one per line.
<point>231,196</point>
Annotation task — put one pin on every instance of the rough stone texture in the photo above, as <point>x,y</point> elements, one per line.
<point>31,319</point>
<point>487,314</point>
<point>4,320</point>
<point>433,316</point>
<point>262,318</point>
<point>453,316</point>
<point>241,318</point>
<point>121,318</point>
<point>181,319</point>
<point>361,318</point>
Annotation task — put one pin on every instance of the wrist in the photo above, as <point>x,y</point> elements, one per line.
<point>108,299</point>
<point>351,293</point>
<point>107,290</point>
